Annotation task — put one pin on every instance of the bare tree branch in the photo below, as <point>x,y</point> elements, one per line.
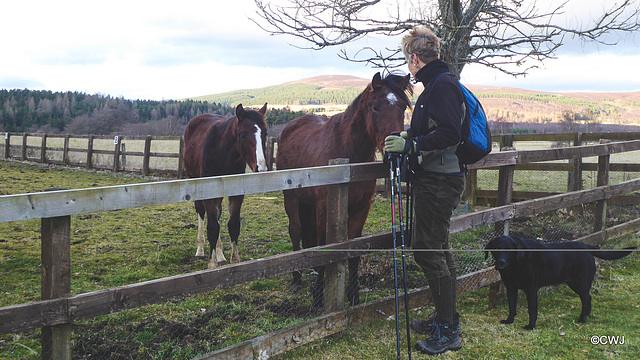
<point>501,34</point>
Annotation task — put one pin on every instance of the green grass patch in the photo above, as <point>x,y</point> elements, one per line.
<point>116,248</point>
<point>557,336</point>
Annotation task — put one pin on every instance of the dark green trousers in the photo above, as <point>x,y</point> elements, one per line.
<point>435,198</point>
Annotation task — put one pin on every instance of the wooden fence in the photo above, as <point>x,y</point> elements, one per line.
<point>98,151</point>
<point>148,155</point>
<point>58,309</point>
<point>573,167</point>
<point>140,154</point>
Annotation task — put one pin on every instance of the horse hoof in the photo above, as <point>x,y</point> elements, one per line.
<point>200,257</point>
<point>222,262</point>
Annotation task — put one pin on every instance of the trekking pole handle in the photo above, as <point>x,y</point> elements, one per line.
<point>389,155</point>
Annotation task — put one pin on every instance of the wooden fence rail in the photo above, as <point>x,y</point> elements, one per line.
<point>118,154</point>
<point>58,309</point>
<point>44,153</point>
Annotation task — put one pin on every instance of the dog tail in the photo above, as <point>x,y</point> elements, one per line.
<point>612,255</point>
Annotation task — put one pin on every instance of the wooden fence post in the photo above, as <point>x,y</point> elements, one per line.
<point>337,214</point>
<point>43,149</point>
<point>123,154</point>
<point>577,165</point>
<point>505,192</point>
<point>65,151</point>
<point>116,153</point>
<point>270,155</point>
<point>600,214</point>
<point>24,146</point>
<point>7,145</point>
<point>505,196</point>
<point>470,187</point>
<point>56,282</point>
<point>145,158</point>
<point>90,152</point>
<point>506,141</point>
<point>576,179</point>
<point>181,158</point>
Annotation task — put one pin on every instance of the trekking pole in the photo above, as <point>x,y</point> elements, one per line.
<point>392,160</point>
<point>402,244</point>
<point>409,228</point>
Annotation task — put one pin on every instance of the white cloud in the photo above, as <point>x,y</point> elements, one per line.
<point>599,72</point>
<point>166,49</point>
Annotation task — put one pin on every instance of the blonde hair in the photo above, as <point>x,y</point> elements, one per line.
<point>422,42</point>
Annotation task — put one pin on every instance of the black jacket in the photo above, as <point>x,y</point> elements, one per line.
<point>437,120</point>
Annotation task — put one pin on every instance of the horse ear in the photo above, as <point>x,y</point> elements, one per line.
<point>376,82</point>
<point>406,82</point>
<point>263,110</point>
<point>239,112</point>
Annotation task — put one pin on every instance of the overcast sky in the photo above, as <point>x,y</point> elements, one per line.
<point>176,49</point>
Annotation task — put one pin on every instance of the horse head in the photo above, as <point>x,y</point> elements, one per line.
<point>387,99</point>
<point>251,136</point>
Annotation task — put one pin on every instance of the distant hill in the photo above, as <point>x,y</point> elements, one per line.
<point>319,90</point>
<point>334,82</point>
<point>502,104</point>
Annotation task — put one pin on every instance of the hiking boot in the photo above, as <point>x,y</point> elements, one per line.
<point>444,337</point>
<point>425,327</point>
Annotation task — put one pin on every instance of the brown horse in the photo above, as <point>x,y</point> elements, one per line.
<point>217,146</point>
<point>355,134</point>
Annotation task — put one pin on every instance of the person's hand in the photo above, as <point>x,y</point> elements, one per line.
<point>404,135</point>
<point>397,144</point>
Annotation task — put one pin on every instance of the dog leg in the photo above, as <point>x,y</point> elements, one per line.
<point>582,289</point>
<point>532,304</point>
<point>512,298</point>
<point>586,308</point>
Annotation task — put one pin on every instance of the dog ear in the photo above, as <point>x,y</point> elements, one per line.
<point>486,255</point>
<point>521,254</point>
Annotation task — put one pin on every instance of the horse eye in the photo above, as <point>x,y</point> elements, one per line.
<point>375,108</point>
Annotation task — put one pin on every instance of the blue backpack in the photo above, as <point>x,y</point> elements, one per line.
<point>476,138</point>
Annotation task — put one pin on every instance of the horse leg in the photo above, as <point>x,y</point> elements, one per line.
<point>214,209</point>
<point>321,239</point>
<point>199,204</point>
<point>291,207</point>
<point>235,203</point>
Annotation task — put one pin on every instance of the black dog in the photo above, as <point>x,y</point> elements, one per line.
<point>529,265</point>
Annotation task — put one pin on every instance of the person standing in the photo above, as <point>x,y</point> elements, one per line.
<point>438,182</point>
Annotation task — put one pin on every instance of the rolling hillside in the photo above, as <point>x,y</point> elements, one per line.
<point>507,105</point>
<point>319,90</point>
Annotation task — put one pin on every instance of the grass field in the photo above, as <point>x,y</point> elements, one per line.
<point>122,247</point>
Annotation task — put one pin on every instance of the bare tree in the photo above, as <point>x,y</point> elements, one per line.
<point>507,35</point>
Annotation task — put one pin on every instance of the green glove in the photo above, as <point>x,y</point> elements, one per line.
<point>397,144</point>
